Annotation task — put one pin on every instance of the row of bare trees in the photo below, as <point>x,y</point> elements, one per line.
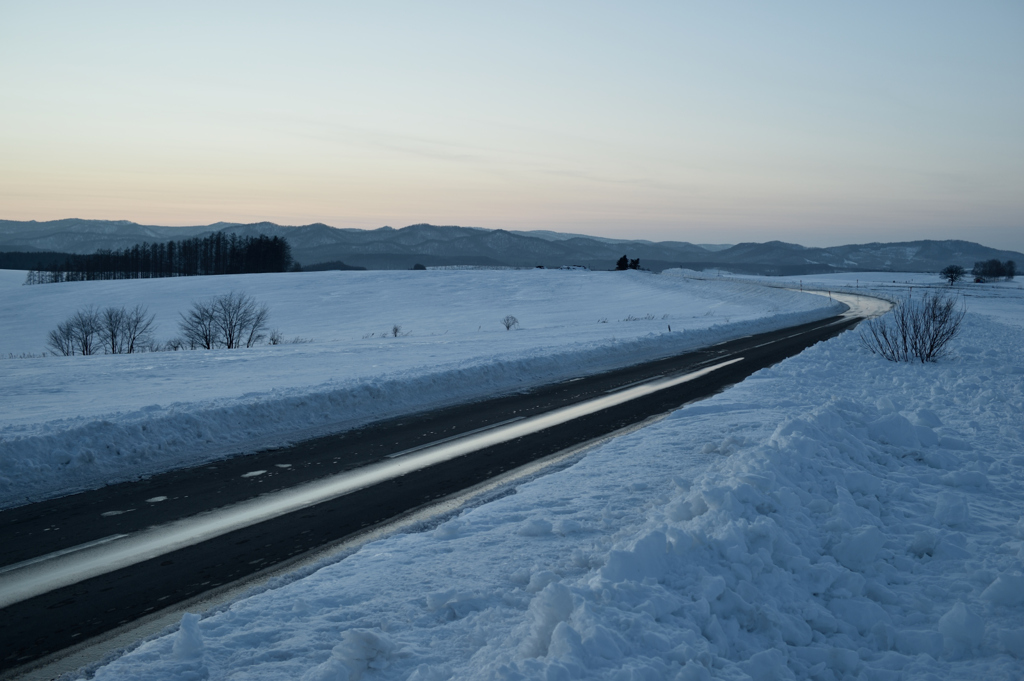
<point>232,320</point>
<point>113,331</point>
<point>217,253</point>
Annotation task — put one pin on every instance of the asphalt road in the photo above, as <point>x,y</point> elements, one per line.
<point>48,623</point>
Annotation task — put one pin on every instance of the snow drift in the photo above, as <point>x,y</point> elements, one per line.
<point>70,423</point>
<point>833,517</point>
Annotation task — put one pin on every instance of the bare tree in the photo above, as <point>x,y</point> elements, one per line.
<point>396,330</point>
<point>62,339</point>
<point>953,273</point>
<point>255,330</point>
<point>231,314</point>
<point>138,328</point>
<point>231,321</point>
<point>87,328</point>
<point>509,322</point>
<point>112,322</point>
<point>916,329</point>
<point>199,328</point>
<point>241,320</point>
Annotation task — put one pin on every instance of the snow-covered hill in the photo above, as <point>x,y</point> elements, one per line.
<point>833,517</point>
<point>70,423</point>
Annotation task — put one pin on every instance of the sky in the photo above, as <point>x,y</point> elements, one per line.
<point>810,122</point>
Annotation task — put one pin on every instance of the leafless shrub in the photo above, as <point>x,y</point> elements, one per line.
<point>396,330</point>
<point>276,338</point>
<point>510,322</point>
<point>173,345</point>
<point>916,329</point>
<point>633,318</point>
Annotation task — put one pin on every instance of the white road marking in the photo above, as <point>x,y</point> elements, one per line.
<point>51,572</point>
<point>630,385</point>
<point>417,448</point>
<point>57,554</point>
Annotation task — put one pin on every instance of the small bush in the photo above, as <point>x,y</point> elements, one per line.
<point>953,273</point>
<point>173,345</point>
<point>509,322</point>
<point>916,329</point>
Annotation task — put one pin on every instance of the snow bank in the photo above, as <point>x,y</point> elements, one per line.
<point>70,423</point>
<point>833,517</point>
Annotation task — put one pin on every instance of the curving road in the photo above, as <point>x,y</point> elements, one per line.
<point>77,567</point>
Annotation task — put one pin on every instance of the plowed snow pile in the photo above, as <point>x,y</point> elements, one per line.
<point>69,423</point>
<point>833,517</point>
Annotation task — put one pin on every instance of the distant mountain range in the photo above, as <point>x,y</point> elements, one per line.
<point>431,245</point>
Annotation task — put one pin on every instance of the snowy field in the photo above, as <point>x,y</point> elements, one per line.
<point>69,423</point>
<point>833,517</point>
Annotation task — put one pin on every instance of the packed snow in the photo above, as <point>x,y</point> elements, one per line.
<point>835,516</point>
<point>69,423</point>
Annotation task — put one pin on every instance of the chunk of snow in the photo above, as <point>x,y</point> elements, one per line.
<point>912,642</point>
<point>961,629</point>
<point>188,642</point>
<point>951,509</point>
<point>1006,590</point>
<point>858,550</point>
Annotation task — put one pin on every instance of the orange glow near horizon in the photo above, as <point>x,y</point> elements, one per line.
<point>816,125</point>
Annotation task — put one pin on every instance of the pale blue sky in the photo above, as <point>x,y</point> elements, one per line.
<point>814,122</point>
